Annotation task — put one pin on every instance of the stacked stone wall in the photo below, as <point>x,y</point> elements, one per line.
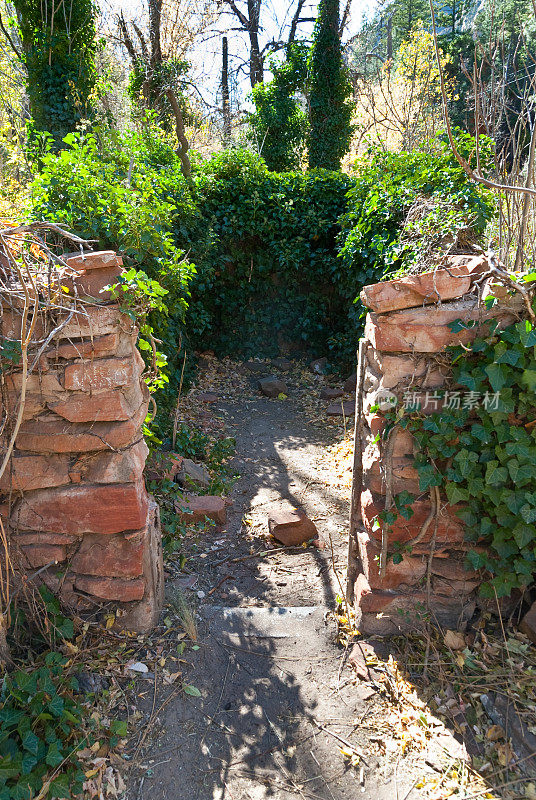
<point>73,495</point>
<point>406,333</point>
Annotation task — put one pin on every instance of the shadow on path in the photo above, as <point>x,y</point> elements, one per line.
<point>267,666</point>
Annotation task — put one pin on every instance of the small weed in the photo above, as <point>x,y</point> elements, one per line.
<point>184,611</point>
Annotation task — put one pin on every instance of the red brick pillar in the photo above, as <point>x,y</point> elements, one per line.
<point>74,492</point>
<point>406,330</point>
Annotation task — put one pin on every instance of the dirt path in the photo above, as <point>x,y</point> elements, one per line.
<point>272,678</point>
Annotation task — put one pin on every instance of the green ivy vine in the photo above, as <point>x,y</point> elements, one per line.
<point>482,454</point>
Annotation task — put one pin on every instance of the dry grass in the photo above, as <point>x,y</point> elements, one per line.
<point>184,611</point>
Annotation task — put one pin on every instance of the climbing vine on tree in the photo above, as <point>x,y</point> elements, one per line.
<point>59,48</point>
<point>330,112</point>
<point>279,125</point>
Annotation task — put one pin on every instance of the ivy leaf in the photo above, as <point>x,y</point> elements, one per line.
<point>467,379</point>
<point>528,378</point>
<point>28,763</point>
<point>456,493</point>
<point>428,477</point>
<point>30,742</point>
<point>523,535</point>
<point>529,514</point>
<point>506,356</point>
<point>495,475</point>
<point>54,756</point>
<point>497,375</point>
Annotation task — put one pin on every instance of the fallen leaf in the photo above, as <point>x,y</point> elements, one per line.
<point>495,733</point>
<point>455,640</point>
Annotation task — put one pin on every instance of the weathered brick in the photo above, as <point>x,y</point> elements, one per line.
<point>428,287</point>
<point>11,324</point>
<point>84,509</point>
<point>98,347</point>
<point>427,330</point>
<point>110,556</point>
<point>94,260</point>
<point>345,408</point>
<point>405,371</point>
<point>108,467</point>
<point>453,569</point>
<point>387,612</point>
<point>408,572</point>
<point>58,436</point>
<point>28,472</point>
<point>291,526</point>
<point>106,373</point>
<point>450,588</point>
<point>404,476</point>
<point>47,385</point>
<point>118,589</point>
<point>95,321</point>
<point>91,283</point>
<point>194,509</point>
<point>37,555</point>
<point>33,405</point>
<point>450,529</point>
<point>113,405</point>
<point>43,537</point>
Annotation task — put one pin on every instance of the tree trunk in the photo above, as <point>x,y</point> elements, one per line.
<point>226,106</point>
<point>256,66</point>
<point>183,143</point>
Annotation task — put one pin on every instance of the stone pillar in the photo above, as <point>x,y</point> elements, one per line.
<point>407,330</point>
<point>74,495</point>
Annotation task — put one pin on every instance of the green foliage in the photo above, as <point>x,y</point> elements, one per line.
<point>140,297</point>
<point>279,124</point>
<point>41,725</point>
<point>484,457</point>
<point>387,185</point>
<point>269,279</point>
<point>279,258</point>
<point>59,49</point>
<point>330,110</point>
<point>127,192</point>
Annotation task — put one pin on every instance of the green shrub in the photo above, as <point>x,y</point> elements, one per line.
<point>280,258</point>
<point>270,278</point>
<point>127,192</point>
<point>386,186</point>
<point>41,729</point>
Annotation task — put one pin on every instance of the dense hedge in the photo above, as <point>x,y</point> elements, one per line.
<point>270,280</point>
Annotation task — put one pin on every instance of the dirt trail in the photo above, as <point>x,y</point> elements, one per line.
<point>268,666</point>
